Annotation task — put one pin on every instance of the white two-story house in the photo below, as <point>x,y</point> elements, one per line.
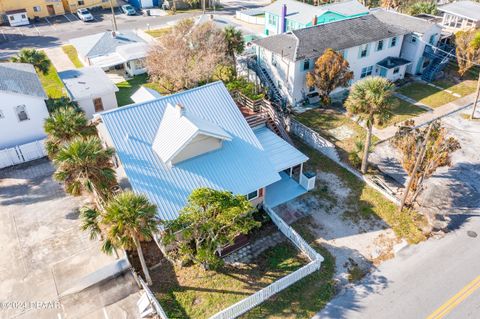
<point>382,43</point>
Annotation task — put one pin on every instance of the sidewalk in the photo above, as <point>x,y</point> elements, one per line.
<point>425,118</point>
<point>59,59</point>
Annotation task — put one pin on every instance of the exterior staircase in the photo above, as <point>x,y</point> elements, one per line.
<point>439,59</point>
<point>273,93</point>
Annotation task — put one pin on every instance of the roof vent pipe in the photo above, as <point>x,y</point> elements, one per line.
<point>314,20</point>
<point>284,19</point>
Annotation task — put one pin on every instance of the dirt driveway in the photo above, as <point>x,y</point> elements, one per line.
<point>43,253</point>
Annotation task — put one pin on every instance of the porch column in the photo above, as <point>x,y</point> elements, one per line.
<point>291,172</point>
<point>301,170</point>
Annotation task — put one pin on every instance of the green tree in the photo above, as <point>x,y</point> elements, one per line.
<point>210,221</point>
<point>422,7</point>
<point>62,102</point>
<point>129,218</point>
<point>35,57</point>
<point>83,165</point>
<point>371,100</point>
<point>235,43</point>
<point>63,125</point>
<point>330,72</point>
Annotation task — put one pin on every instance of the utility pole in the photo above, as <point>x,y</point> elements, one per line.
<point>418,161</point>
<point>472,116</point>
<point>203,6</point>
<point>113,16</point>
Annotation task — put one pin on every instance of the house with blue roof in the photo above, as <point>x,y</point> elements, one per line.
<point>170,146</point>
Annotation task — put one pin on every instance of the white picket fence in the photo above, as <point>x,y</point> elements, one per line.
<point>22,153</point>
<point>260,296</point>
<point>153,300</point>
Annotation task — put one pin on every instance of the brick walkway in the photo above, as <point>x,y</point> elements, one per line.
<point>425,118</point>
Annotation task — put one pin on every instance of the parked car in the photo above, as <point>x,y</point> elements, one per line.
<point>84,15</point>
<point>129,10</point>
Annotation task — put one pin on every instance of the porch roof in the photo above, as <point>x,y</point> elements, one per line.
<point>283,191</point>
<point>281,153</point>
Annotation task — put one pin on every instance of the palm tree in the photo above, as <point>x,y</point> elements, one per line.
<point>63,125</point>
<point>83,165</point>
<point>370,99</point>
<point>37,58</point>
<point>235,42</point>
<point>128,219</point>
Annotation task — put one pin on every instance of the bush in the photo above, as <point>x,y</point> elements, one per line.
<point>354,159</point>
<point>246,87</point>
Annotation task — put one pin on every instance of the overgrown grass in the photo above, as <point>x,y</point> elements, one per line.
<point>463,88</point>
<point>366,201</point>
<point>127,88</point>
<point>329,123</point>
<point>309,295</point>
<point>191,292</point>
<point>52,84</point>
<point>426,94</point>
<point>401,111</point>
<point>72,54</point>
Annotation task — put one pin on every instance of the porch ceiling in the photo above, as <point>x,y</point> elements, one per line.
<point>283,191</point>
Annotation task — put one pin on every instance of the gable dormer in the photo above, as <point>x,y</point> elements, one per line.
<point>182,136</point>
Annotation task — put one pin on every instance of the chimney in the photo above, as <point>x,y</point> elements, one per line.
<point>114,34</point>
<point>314,20</point>
<point>283,19</point>
<point>180,109</point>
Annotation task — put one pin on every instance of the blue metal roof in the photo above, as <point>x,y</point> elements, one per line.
<point>240,166</point>
<point>281,153</point>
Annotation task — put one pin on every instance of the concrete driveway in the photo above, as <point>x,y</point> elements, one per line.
<point>43,253</point>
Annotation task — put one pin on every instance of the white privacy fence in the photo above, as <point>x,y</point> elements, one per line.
<point>22,153</point>
<point>153,300</point>
<point>257,298</point>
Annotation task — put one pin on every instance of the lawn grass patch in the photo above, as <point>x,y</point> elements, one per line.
<point>157,33</point>
<point>463,88</point>
<point>190,292</point>
<point>51,83</point>
<point>127,88</point>
<point>307,296</point>
<point>328,122</point>
<point>366,201</point>
<point>72,54</point>
<point>426,94</point>
<point>401,111</point>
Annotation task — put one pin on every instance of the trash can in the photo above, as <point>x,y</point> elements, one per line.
<point>147,12</point>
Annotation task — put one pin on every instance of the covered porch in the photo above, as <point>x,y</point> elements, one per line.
<point>283,191</point>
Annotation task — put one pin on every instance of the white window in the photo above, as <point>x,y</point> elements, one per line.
<point>380,45</point>
<point>306,64</point>
<point>252,195</point>
<point>413,39</point>
<point>1,114</point>
<point>12,18</point>
<point>393,42</point>
<point>37,9</point>
<point>364,51</point>
<point>24,16</point>
<point>274,60</point>
<point>366,71</point>
<point>21,113</point>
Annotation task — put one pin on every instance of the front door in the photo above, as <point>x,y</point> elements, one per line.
<point>98,104</point>
<point>51,10</point>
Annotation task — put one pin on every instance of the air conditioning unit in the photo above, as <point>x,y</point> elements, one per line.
<point>307,180</point>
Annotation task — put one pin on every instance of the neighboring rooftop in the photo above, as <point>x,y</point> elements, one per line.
<point>104,43</point>
<point>313,41</point>
<point>303,12</point>
<point>241,165</point>
<point>20,78</point>
<point>392,62</point>
<point>412,24</point>
<point>145,94</point>
<point>87,82</point>
<point>464,9</point>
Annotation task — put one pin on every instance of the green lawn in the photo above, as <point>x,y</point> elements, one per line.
<point>127,88</point>
<point>364,200</point>
<point>190,292</point>
<point>325,120</point>
<point>157,33</point>
<point>52,84</point>
<point>402,111</point>
<point>71,52</point>
<point>426,94</point>
<point>463,88</point>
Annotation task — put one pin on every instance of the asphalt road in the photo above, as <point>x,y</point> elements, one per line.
<point>54,31</point>
<point>438,278</point>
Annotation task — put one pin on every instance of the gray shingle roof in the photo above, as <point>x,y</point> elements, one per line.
<point>466,9</point>
<point>104,43</point>
<point>312,42</point>
<point>410,23</point>
<point>303,12</point>
<point>20,78</point>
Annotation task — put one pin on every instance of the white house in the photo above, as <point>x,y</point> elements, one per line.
<point>22,107</point>
<point>91,88</point>
<point>382,43</point>
<point>113,51</point>
<point>460,15</point>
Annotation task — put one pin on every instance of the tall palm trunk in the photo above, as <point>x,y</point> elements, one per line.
<point>368,140</point>
<point>142,261</point>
